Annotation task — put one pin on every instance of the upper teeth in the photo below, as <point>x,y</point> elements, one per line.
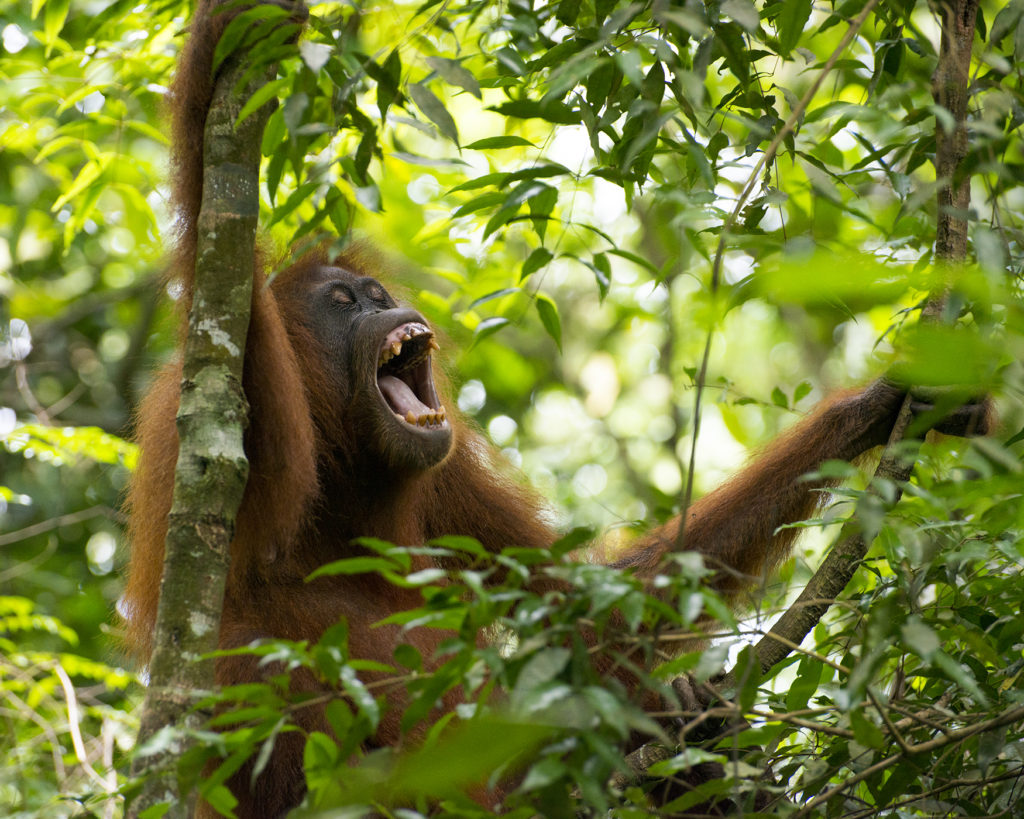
<point>394,348</point>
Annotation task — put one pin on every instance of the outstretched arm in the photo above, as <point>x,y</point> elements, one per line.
<point>736,527</point>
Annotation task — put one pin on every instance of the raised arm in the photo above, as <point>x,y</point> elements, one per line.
<point>736,527</point>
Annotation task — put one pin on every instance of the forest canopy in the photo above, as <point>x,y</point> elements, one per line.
<point>651,236</point>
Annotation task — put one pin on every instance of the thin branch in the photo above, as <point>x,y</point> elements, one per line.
<point>950,87</point>
<point>61,520</point>
<point>716,269</point>
<point>74,717</point>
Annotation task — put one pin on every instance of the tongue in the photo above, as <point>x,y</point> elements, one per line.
<point>400,397</point>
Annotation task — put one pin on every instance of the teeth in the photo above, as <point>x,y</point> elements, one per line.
<point>396,347</point>
<point>434,345</point>
<point>432,418</point>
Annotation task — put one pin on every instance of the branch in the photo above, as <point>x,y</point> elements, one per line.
<point>949,87</point>
<point>716,268</point>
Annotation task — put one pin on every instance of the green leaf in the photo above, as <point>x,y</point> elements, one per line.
<point>487,179</point>
<point>484,200</point>
<point>220,799</point>
<point>730,44</point>
<point>510,60</point>
<point>157,811</point>
<point>555,112</point>
<point>80,94</point>
<point>541,668</point>
<point>354,687</point>
<point>271,91</point>
<point>684,761</point>
<point>942,356</point>
<point>245,26</point>
<point>743,12</point>
<point>1006,20</point>
<point>748,676</point>
<point>355,565</point>
<point>453,73</point>
<point>521,193</point>
<point>535,261</point>
<point>602,273</point>
<point>827,278</point>
<point>920,638</point>
<point>548,311</point>
<point>434,110</point>
<point>790,21</point>
<point>961,675</point>
<point>568,11</point>
<point>89,174</point>
<point>497,294</point>
<point>488,326</point>
<point>54,17</point>
<point>550,769</point>
<point>494,143</point>
<point>461,543</point>
<point>388,76</point>
<point>339,211</point>
<point>808,676</point>
<point>70,444</point>
<point>865,731</point>
<point>541,206</point>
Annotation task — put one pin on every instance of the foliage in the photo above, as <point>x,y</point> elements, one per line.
<point>562,174</point>
<point>66,719</point>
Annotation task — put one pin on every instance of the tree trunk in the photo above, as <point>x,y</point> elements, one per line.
<point>212,469</point>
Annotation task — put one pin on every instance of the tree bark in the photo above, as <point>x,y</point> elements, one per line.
<point>212,468</point>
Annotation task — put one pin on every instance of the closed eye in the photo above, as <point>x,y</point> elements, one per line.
<point>341,294</point>
<point>379,295</point>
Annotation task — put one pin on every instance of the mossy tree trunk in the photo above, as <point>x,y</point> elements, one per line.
<point>212,468</point>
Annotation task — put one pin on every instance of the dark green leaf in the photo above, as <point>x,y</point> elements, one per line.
<point>434,110</point>
<point>540,257</point>
<point>790,21</point>
<point>493,143</point>
<point>554,112</point>
<point>548,312</point>
<point>1006,21</point>
<point>808,676</point>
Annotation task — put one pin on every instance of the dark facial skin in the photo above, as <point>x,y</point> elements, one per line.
<point>378,354</point>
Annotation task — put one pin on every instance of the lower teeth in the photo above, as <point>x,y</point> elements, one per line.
<point>427,419</point>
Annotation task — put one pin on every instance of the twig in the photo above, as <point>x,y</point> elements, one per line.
<point>716,268</point>
<point>74,718</point>
<point>61,520</point>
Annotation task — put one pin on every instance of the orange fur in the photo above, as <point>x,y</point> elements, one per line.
<point>314,484</point>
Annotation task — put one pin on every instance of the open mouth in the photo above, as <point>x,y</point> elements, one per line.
<point>404,378</point>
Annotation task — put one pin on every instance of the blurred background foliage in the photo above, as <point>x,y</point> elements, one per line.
<point>549,182</point>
